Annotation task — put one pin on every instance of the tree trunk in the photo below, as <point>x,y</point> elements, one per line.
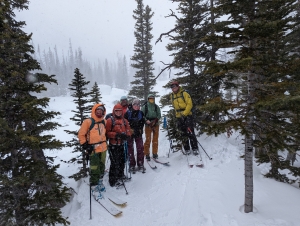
<point>248,206</point>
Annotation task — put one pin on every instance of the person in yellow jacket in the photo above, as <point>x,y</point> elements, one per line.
<point>182,103</point>
<point>92,137</point>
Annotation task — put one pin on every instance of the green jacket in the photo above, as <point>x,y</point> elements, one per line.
<point>151,113</point>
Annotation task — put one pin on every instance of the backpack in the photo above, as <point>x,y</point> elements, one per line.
<point>140,116</point>
<point>181,96</point>
<point>93,123</point>
<point>146,108</point>
<point>110,115</point>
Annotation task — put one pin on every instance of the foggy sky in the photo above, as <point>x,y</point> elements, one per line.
<point>101,28</point>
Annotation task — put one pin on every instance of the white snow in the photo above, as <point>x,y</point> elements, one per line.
<point>179,195</point>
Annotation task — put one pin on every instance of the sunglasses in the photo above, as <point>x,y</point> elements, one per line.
<point>118,110</point>
<point>173,86</point>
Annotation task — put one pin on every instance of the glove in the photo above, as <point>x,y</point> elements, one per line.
<point>153,122</point>
<point>85,145</point>
<point>90,148</point>
<point>121,136</point>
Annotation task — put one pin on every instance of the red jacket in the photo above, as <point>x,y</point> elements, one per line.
<point>121,125</point>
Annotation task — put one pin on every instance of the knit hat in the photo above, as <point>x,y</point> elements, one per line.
<point>151,96</point>
<point>136,101</point>
<point>123,98</point>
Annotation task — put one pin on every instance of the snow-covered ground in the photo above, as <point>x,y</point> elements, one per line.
<point>176,194</point>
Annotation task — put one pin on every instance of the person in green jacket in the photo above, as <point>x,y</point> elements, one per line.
<point>182,103</point>
<point>152,114</point>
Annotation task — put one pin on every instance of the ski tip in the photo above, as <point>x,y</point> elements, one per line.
<point>118,214</point>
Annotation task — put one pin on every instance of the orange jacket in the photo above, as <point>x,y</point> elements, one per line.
<point>96,135</point>
<point>121,125</point>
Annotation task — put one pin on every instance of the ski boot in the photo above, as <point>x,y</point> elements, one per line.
<point>96,192</point>
<point>101,185</point>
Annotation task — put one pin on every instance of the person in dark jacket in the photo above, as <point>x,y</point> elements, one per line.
<point>152,115</point>
<point>117,132</point>
<point>182,103</point>
<point>136,121</point>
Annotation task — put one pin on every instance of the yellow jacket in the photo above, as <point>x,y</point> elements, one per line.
<point>96,135</point>
<point>182,103</point>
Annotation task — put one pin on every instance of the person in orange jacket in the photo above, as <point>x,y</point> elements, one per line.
<point>93,140</point>
<point>117,132</point>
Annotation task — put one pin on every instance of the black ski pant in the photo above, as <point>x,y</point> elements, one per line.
<point>186,126</point>
<point>117,163</point>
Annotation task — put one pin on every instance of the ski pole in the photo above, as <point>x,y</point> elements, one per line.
<point>129,168</point>
<point>124,186</point>
<point>204,150</point>
<point>90,192</point>
<point>189,130</point>
<point>165,126</point>
<point>126,157</point>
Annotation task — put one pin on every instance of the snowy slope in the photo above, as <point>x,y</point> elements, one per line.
<point>176,194</point>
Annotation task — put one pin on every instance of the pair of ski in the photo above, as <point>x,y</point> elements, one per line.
<point>162,161</point>
<point>194,160</point>
<point>106,201</point>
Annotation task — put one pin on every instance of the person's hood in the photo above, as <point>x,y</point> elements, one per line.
<point>117,106</point>
<point>93,114</point>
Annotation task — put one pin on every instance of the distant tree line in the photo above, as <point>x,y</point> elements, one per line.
<point>116,73</point>
<point>103,72</point>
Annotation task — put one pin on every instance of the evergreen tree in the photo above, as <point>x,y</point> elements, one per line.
<point>80,94</point>
<point>191,50</point>
<point>257,35</point>
<point>125,75</point>
<point>142,58</point>
<point>107,74</point>
<point>31,190</point>
<point>99,76</point>
<point>95,95</point>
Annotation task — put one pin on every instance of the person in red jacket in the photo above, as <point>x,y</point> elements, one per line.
<point>117,132</point>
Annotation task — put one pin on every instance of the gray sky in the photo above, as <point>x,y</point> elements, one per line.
<point>101,28</point>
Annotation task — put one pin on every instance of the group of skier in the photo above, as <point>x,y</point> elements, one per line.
<point>124,127</point>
